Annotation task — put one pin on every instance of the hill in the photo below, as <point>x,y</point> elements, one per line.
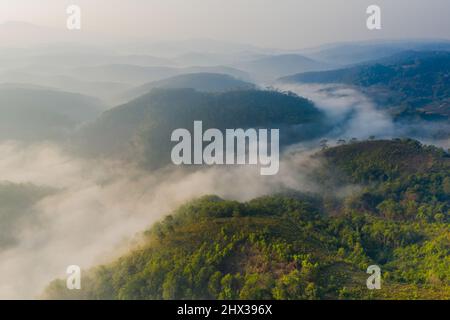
<point>142,127</point>
<point>297,246</point>
<point>365,51</point>
<point>32,113</point>
<point>272,67</point>
<point>138,75</point>
<point>206,82</point>
<point>401,179</point>
<point>413,84</point>
<point>16,208</point>
<point>105,91</point>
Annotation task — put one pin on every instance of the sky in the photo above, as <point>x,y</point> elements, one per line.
<point>286,24</point>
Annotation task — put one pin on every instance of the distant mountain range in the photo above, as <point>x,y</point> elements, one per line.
<point>205,82</point>
<point>365,51</point>
<point>272,67</point>
<point>117,82</point>
<point>135,74</point>
<point>412,84</point>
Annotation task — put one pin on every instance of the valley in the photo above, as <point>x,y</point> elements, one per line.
<point>202,169</point>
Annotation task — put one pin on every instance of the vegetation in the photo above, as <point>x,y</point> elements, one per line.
<point>16,202</point>
<point>204,82</point>
<point>34,114</point>
<point>297,246</point>
<point>143,126</point>
<point>268,68</point>
<point>412,84</point>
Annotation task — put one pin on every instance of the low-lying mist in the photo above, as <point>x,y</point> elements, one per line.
<point>100,206</point>
<point>354,115</point>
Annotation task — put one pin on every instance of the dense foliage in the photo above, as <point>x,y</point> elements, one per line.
<point>143,127</point>
<point>401,179</point>
<point>297,246</point>
<point>413,83</point>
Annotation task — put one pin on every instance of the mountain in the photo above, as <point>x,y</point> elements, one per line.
<point>204,45</point>
<point>32,113</point>
<point>412,84</point>
<point>206,82</point>
<point>138,75</point>
<point>270,68</point>
<point>203,59</point>
<point>133,74</point>
<point>16,207</point>
<point>142,127</point>
<point>366,51</point>
<point>105,91</point>
<point>300,246</point>
<point>76,57</point>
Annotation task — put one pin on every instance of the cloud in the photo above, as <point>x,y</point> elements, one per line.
<point>352,113</point>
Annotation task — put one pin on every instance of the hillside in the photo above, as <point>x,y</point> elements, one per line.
<point>297,246</point>
<point>413,84</point>
<point>349,53</point>
<point>105,91</point>
<point>206,82</point>
<point>142,127</point>
<point>272,67</point>
<point>401,179</point>
<point>16,208</point>
<point>32,113</point>
<point>138,75</point>
<point>392,159</point>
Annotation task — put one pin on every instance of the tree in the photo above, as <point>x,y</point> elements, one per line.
<point>257,287</point>
<point>323,144</point>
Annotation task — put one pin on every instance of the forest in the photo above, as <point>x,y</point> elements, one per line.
<point>296,245</point>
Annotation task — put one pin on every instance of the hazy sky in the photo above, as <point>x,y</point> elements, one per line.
<point>271,23</point>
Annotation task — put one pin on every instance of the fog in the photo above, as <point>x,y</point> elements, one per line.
<point>98,207</point>
<point>101,206</point>
<point>354,114</point>
<point>304,23</point>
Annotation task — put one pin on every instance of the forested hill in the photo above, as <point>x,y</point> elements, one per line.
<point>415,83</point>
<point>300,246</point>
<point>378,161</point>
<point>142,127</point>
<point>203,82</point>
<point>32,113</point>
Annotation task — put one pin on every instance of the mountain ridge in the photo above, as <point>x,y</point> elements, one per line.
<point>415,83</point>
